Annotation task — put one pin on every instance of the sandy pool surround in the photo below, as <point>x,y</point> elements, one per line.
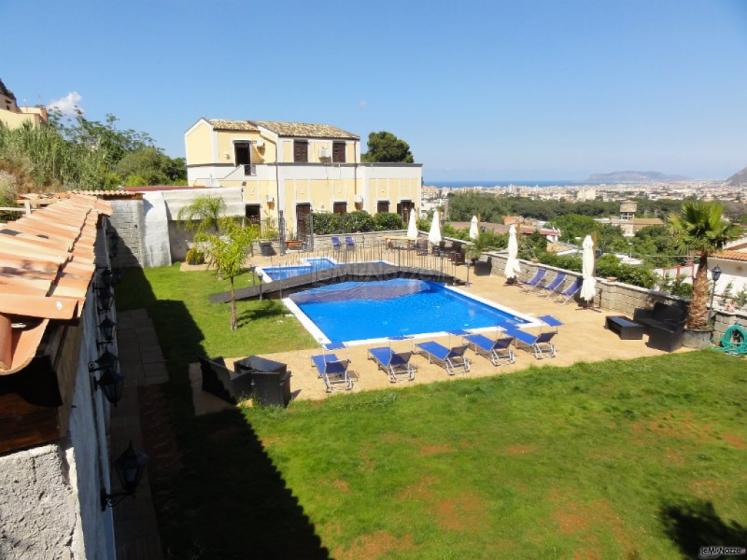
<point>317,333</point>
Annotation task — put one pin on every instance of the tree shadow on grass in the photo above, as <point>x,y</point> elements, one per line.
<point>261,310</point>
<point>696,524</point>
<point>217,494</point>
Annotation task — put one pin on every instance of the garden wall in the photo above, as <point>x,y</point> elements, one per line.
<point>616,296</point>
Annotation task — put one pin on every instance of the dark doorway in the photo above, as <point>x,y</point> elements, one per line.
<point>253,214</point>
<point>303,217</point>
<point>403,209</point>
<point>338,152</point>
<point>382,206</point>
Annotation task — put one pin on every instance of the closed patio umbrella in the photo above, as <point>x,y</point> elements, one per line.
<point>412,227</point>
<point>434,236</point>
<point>474,232</point>
<point>512,263</point>
<point>589,287</point>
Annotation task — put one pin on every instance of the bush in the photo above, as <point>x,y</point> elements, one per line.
<point>325,223</point>
<point>387,221</point>
<point>195,256</point>
<point>353,222</point>
<point>568,262</point>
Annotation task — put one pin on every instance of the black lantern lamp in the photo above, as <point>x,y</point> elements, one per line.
<point>106,329</point>
<point>104,297</point>
<point>130,467</point>
<point>107,360</point>
<point>111,384</point>
<point>716,273</point>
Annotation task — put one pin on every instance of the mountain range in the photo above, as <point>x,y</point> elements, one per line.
<point>739,178</point>
<point>634,177</point>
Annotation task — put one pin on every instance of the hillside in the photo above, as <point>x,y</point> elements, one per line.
<point>739,178</point>
<point>633,177</point>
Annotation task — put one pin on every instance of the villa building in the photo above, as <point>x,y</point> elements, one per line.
<point>13,116</point>
<point>627,220</point>
<point>291,169</point>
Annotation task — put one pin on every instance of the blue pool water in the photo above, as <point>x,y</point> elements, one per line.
<point>363,310</point>
<point>283,272</point>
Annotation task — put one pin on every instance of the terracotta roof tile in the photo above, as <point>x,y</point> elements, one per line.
<point>46,265</point>
<point>306,130</point>
<point>732,255</point>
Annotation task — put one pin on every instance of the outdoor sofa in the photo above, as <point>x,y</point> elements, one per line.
<point>664,324</point>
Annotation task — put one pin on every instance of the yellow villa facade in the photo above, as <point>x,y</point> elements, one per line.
<point>13,116</point>
<point>296,168</point>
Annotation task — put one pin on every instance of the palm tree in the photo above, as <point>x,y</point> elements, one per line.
<point>701,228</point>
<point>227,253</point>
<point>202,215</point>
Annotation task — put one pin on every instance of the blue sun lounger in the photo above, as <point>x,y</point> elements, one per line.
<point>550,321</point>
<point>332,370</point>
<point>450,359</point>
<point>494,350</point>
<point>349,243</point>
<point>568,294</point>
<point>548,290</point>
<point>336,245</point>
<point>392,362</point>
<point>540,345</point>
<point>536,279</point>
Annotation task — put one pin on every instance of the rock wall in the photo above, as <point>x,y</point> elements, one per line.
<point>127,222</point>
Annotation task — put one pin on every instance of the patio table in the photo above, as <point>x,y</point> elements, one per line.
<point>624,327</point>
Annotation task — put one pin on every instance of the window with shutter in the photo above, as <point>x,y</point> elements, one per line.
<point>300,151</point>
<point>382,206</point>
<point>338,152</point>
<point>340,207</point>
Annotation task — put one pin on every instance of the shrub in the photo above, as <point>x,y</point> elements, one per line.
<point>325,223</point>
<point>388,220</point>
<point>354,222</point>
<point>194,256</point>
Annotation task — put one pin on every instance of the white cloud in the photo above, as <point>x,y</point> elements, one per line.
<point>67,104</point>
<point>362,104</point>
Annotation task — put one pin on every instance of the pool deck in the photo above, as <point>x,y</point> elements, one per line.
<point>582,338</point>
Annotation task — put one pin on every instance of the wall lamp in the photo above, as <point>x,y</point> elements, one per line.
<point>107,360</point>
<point>111,384</point>
<point>104,296</point>
<point>106,329</point>
<point>130,467</point>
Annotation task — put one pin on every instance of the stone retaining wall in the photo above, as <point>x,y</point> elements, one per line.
<point>127,221</point>
<point>617,296</point>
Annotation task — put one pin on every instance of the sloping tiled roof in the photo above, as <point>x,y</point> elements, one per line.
<point>306,130</point>
<point>5,91</point>
<point>46,266</point>
<point>732,255</point>
<point>226,124</point>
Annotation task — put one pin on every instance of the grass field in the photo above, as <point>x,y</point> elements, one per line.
<point>635,459</point>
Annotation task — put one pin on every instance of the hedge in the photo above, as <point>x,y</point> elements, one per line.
<point>355,222</point>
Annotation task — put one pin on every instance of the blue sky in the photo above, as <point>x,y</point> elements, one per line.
<point>480,90</point>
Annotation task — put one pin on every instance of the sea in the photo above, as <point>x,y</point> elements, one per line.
<point>495,183</point>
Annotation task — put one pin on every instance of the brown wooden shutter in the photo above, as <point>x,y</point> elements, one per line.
<point>300,151</point>
<point>338,152</point>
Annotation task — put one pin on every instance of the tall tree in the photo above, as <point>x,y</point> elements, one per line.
<point>227,254</point>
<point>386,147</point>
<point>700,228</point>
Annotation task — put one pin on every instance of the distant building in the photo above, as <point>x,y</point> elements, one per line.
<point>296,168</point>
<point>627,210</point>
<point>627,220</point>
<point>13,116</point>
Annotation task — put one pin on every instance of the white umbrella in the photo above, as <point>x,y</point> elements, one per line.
<point>474,233</point>
<point>434,236</point>
<point>589,287</point>
<point>412,227</point>
<point>512,263</point>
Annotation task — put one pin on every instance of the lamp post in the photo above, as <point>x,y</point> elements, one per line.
<point>715,274</point>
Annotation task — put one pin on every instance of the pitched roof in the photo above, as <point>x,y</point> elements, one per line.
<point>46,266</point>
<point>239,126</point>
<point>306,130</point>
<point>5,91</point>
<point>731,254</point>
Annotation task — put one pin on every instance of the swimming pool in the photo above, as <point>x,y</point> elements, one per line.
<point>359,312</point>
<point>271,273</point>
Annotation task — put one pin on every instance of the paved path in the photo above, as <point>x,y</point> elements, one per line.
<point>143,365</point>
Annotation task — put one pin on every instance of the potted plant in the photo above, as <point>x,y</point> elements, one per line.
<point>701,228</point>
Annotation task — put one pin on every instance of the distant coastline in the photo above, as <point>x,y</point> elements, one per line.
<point>518,183</point>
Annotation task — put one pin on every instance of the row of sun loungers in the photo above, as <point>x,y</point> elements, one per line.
<point>334,371</point>
<point>337,245</point>
<point>552,289</point>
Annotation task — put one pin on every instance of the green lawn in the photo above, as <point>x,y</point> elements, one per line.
<point>636,459</point>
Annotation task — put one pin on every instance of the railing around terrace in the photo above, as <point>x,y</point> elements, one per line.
<point>375,251</point>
